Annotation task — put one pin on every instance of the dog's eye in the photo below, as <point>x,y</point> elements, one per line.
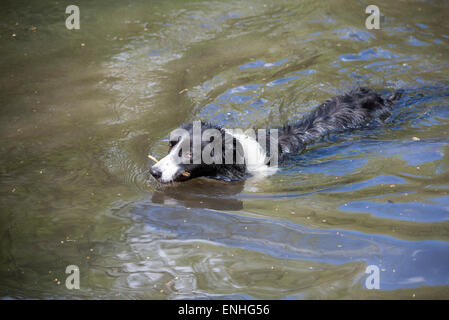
<point>171,144</point>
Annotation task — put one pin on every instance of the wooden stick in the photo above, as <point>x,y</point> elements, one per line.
<point>152,158</point>
<point>185,173</point>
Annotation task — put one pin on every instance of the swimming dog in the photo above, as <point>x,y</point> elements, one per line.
<point>241,155</point>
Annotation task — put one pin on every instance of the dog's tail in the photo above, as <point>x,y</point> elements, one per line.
<point>350,111</point>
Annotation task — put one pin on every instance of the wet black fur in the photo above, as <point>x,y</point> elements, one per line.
<point>349,111</point>
<point>352,110</point>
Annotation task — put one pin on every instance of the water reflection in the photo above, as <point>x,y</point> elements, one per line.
<point>201,193</point>
<point>402,262</point>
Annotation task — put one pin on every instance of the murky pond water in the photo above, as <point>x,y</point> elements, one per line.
<point>81,109</point>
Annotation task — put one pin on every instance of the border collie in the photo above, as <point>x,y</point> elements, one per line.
<point>241,155</point>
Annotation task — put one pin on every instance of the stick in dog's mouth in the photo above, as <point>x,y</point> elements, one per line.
<point>153,158</point>
<point>185,173</point>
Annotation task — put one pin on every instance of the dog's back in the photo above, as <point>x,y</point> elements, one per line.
<point>349,111</point>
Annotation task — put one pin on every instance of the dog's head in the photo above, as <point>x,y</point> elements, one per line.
<point>200,150</point>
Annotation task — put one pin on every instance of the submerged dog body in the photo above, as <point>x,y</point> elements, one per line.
<point>250,156</point>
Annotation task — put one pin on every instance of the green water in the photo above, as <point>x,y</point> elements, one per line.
<point>80,110</point>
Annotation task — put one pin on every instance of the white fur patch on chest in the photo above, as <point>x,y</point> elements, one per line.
<point>255,156</point>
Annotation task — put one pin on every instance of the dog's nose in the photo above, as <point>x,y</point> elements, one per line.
<point>155,172</point>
